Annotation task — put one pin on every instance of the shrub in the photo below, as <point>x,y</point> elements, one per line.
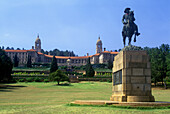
<point>29,79</point>
<point>102,80</point>
<point>21,80</point>
<point>46,80</point>
<point>58,76</point>
<point>109,81</point>
<point>37,79</point>
<point>13,81</point>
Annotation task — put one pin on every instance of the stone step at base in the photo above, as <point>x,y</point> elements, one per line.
<point>133,104</point>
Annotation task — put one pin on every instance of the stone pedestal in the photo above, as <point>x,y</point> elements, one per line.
<point>131,77</point>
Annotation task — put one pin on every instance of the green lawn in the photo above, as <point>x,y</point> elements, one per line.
<point>49,98</point>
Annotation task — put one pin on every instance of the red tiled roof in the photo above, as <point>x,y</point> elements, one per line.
<point>15,50</point>
<point>105,52</point>
<point>40,53</point>
<point>48,55</point>
<point>66,57</point>
<point>62,57</point>
<point>114,52</point>
<point>97,54</point>
<point>19,50</point>
<point>31,50</point>
<point>110,52</point>
<point>81,57</point>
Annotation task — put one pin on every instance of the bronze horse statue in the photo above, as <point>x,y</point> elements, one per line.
<point>130,28</point>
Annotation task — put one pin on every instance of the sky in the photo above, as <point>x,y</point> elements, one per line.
<point>75,25</point>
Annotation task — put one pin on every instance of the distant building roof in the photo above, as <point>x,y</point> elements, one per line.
<point>40,53</point>
<point>110,52</point>
<point>19,50</point>
<point>67,57</point>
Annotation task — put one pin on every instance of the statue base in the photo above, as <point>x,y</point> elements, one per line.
<point>131,77</point>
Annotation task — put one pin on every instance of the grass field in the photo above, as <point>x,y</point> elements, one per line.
<point>43,97</point>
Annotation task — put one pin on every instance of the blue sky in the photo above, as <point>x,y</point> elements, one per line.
<point>76,24</point>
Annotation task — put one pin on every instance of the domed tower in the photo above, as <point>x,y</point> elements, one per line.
<point>99,46</point>
<point>38,44</point>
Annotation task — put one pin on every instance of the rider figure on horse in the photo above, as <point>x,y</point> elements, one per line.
<point>128,17</point>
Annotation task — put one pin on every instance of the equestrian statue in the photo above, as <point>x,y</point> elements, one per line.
<point>129,28</point>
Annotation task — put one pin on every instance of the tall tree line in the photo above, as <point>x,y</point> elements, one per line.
<point>57,52</point>
<point>8,48</point>
<point>160,62</point>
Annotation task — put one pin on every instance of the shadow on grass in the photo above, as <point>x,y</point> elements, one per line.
<point>160,86</point>
<point>8,88</point>
<point>63,84</point>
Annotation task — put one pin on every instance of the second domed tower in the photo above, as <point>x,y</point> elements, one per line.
<point>38,44</point>
<point>99,46</point>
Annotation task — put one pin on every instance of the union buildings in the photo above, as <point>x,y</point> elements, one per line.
<point>101,56</point>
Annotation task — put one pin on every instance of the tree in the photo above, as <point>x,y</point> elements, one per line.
<point>164,51</point>
<point>3,47</point>
<point>168,65</point>
<point>54,65</point>
<point>16,61</point>
<point>57,52</point>
<point>110,64</point>
<point>8,48</point>
<point>58,76</point>
<point>159,63</point>
<point>5,67</point>
<point>155,74</point>
<point>29,62</point>
<point>89,69</point>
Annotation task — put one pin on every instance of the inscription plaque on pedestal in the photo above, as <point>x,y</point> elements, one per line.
<point>117,77</point>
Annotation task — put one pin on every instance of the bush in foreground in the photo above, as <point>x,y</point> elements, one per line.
<point>58,76</point>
